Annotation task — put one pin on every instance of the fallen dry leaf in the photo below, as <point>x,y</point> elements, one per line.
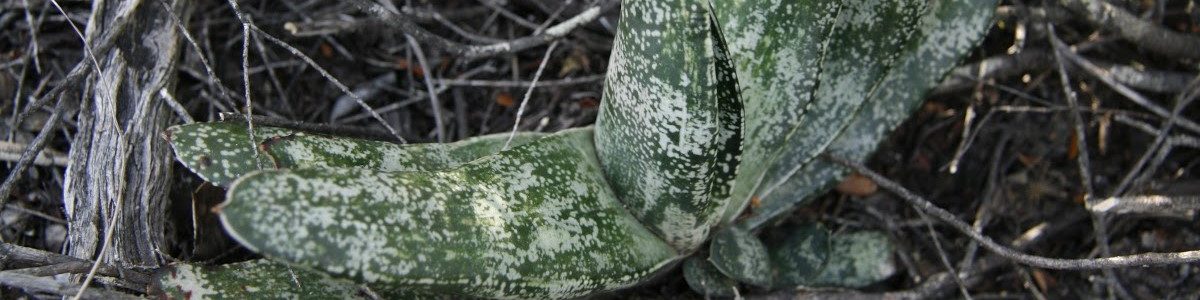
<point>505,99</point>
<point>857,185</point>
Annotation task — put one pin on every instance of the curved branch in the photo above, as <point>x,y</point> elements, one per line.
<point>406,25</point>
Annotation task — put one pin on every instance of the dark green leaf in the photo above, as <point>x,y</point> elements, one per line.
<point>255,279</point>
<point>880,59</point>
<point>705,279</point>
<point>777,48</point>
<point>535,221</point>
<point>668,127</point>
<point>221,152</point>
<point>741,256</point>
<point>801,254</point>
<point>856,260</point>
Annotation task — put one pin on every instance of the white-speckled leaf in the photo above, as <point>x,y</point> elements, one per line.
<point>945,35</point>
<point>706,280</point>
<point>869,36</point>
<point>668,128</point>
<point>806,67</point>
<point>742,256</point>
<point>857,260</point>
<point>777,46</point>
<point>798,254</point>
<point>220,152</point>
<point>255,279</point>
<point>535,221</point>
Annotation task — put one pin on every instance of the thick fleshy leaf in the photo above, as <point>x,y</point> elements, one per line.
<point>800,254</point>
<point>220,152</point>
<point>535,221</point>
<point>706,280</point>
<point>869,36</point>
<point>255,279</point>
<point>949,31</point>
<point>668,128</point>
<point>742,256</point>
<point>317,151</point>
<point>823,57</point>
<point>873,67</point>
<point>777,46</point>
<point>856,260</point>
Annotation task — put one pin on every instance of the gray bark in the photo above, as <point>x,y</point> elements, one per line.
<point>119,166</point>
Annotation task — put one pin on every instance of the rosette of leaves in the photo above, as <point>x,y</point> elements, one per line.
<point>709,106</point>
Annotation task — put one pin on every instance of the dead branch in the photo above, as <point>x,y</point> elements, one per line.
<point>1083,162</point>
<point>23,257</point>
<point>309,28</point>
<point>1135,172</point>
<point>1107,79</point>
<point>10,151</point>
<point>918,202</point>
<point>1145,34</point>
<point>1183,207</point>
<point>49,285</point>
<point>31,152</point>
<point>407,26</point>
<point>965,77</point>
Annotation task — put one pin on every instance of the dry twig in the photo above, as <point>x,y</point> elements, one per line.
<point>406,25</point>
<point>918,202</point>
<point>1145,34</point>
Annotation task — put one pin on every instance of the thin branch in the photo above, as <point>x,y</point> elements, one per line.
<point>1175,140</point>
<point>21,257</point>
<point>246,81</point>
<point>176,107</point>
<point>1099,222</point>
<point>32,151</point>
<point>1181,102</point>
<point>1172,206</point>
<point>529,93</point>
<point>439,127</point>
<point>406,25</point>
<point>519,83</point>
<point>1033,60</point>
<point>1124,261</point>
<point>370,89</point>
<point>335,81</point>
<point>332,26</point>
<point>1142,33</point>
<point>212,75</point>
<point>1137,98</point>
<point>49,285</point>
<point>12,152</point>
<point>1076,118</point>
<point>937,245</point>
<point>327,129</point>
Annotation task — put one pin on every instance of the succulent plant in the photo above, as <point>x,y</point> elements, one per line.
<point>708,107</point>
